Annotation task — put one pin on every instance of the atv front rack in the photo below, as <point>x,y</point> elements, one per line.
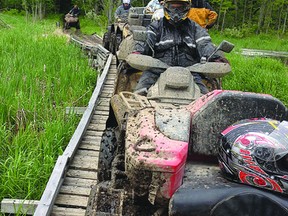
<point>134,101</point>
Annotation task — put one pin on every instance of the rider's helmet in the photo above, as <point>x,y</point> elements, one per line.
<point>126,4</point>
<point>255,152</point>
<point>176,11</point>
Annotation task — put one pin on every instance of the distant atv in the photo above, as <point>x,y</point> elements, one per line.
<point>120,29</point>
<point>158,154</point>
<point>71,21</point>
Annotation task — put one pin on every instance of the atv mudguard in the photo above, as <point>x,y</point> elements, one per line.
<point>207,193</point>
<point>217,110</point>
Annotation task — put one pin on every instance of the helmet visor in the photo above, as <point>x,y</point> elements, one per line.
<point>274,146</point>
<point>178,7</point>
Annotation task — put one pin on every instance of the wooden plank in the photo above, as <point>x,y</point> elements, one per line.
<point>91,139</point>
<point>110,82</point>
<point>89,146</point>
<point>86,153</point>
<point>75,190</point>
<point>99,117</point>
<point>71,200</point>
<point>62,211</point>
<point>97,127</point>
<point>96,121</point>
<point>94,133</point>
<point>79,182</point>
<point>75,173</point>
<point>13,206</point>
<point>106,94</point>
<point>100,112</point>
<point>103,108</point>
<point>85,163</point>
<point>103,102</point>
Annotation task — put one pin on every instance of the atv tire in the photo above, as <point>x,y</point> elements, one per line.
<point>107,153</point>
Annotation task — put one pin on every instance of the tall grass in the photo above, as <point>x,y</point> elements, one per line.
<point>256,74</point>
<point>41,74</point>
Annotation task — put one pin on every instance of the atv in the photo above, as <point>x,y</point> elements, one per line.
<point>71,21</point>
<point>120,29</point>
<point>158,154</point>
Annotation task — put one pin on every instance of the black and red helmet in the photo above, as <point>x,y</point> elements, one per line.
<point>255,152</point>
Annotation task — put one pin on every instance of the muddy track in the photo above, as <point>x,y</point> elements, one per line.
<point>75,172</point>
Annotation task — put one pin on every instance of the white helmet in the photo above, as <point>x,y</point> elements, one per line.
<point>126,1</point>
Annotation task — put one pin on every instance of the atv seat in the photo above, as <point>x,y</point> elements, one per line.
<point>217,110</point>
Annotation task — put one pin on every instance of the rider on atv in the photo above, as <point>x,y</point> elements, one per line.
<point>177,41</point>
<point>72,18</point>
<point>122,11</point>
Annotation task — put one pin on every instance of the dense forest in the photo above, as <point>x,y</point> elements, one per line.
<point>241,17</point>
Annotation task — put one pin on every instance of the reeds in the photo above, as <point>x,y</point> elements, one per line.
<point>40,75</point>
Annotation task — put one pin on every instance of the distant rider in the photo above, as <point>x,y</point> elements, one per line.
<point>75,11</point>
<point>202,13</point>
<point>72,18</point>
<point>153,5</point>
<point>122,11</point>
<point>175,40</point>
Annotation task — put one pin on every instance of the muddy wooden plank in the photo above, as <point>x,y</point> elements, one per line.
<point>79,182</point>
<point>98,121</point>
<point>76,173</point>
<point>97,127</point>
<point>94,133</point>
<point>86,153</point>
<point>103,108</point>
<point>72,200</point>
<point>108,86</point>
<point>91,139</point>
<point>99,117</point>
<point>75,190</point>
<point>85,163</point>
<point>62,211</point>
<point>103,102</point>
<point>13,206</point>
<point>100,112</point>
<point>110,82</point>
<point>89,146</point>
<point>106,94</point>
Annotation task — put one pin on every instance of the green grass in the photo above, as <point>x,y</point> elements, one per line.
<point>41,75</point>
<point>260,75</point>
<point>256,74</point>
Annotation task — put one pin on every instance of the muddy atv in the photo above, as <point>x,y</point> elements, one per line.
<point>158,154</point>
<point>71,21</point>
<point>121,28</point>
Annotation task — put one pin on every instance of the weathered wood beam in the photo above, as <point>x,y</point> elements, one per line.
<point>13,206</point>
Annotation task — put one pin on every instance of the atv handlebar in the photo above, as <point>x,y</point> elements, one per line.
<point>209,69</point>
